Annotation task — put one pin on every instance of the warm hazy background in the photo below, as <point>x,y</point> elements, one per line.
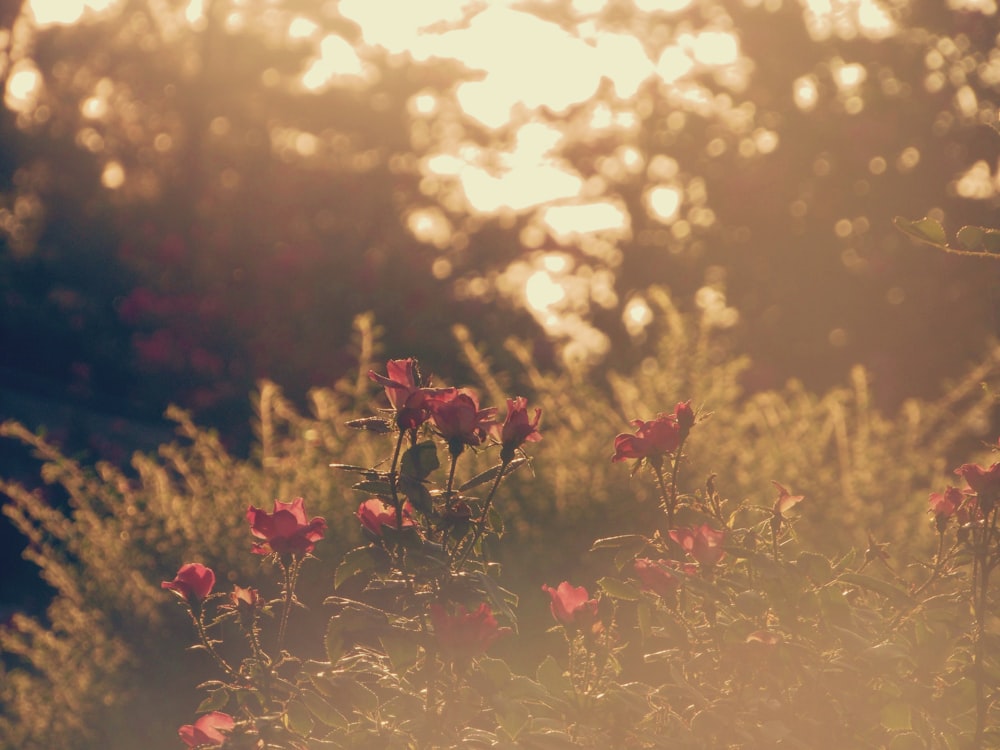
<point>195,194</point>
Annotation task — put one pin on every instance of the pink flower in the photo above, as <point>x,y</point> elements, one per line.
<point>703,543</point>
<point>376,515</point>
<point>572,605</point>
<point>245,602</point>
<point>517,428</point>
<point>944,504</point>
<point>458,418</point>
<point>464,635</point>
<point>192,583</point>
<point>657,576</point>
<point>210,729</point>
<point>684,415</point>
<point>985,482</point>
<point>654,439</point>
<point>286,529</point>
<point>404,391</point>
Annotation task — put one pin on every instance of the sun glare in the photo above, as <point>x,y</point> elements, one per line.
<point>66,12</point>
<point>23,87</point>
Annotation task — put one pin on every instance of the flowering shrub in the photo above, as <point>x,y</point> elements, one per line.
<point>789,637</point>
<point>714,628</point>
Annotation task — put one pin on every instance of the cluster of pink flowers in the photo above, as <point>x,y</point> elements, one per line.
<point>970,504</point>
<point>284,532</point>
<point>454,412</point>
<point>656,438</point>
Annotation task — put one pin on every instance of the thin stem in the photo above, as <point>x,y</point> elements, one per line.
<point>291,575</point>
<point>199,623</point>
<point>393,473</point>
<point>481,525</point>
<point>450,500</point>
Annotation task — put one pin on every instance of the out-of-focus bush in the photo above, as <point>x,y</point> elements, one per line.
<point>101,669</point>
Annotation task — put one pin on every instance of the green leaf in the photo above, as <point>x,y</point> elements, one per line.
<point>377,488</point>
<point>420,460</point>
<point>323,711</point>
<point>333,640</point>
<point>373,424</point>
<point>297,718</point>
<point>705,588</point>
<point>991,240</point>
<point>417,493</point>
<point>371,473</point>
<point>895,715</point>
<point>925,230</point>
<point>500,598</point>
<point>513,716</point>
<point>490,474</point>
<point>215,701</point>
<point>644,617</point>
<point>815,566</point>
<point>496,670</point>
<point>550,675</point>
<point>358,560</point>
<point>615,542</point>
<point>619,589</point>
<point>402,648</point>
<point>891,591</point>
<point>970,238</point>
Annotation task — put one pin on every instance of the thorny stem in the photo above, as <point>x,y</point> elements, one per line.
<point>481,525</point>
<point>291,575</point>
<point>393,474</point>
<point>199,623</point>
<point>450,500</point>
<point>669,497</point>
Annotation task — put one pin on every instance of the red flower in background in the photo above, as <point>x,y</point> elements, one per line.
<point>286,529</point>
<point>654,439</point>
<point>945,504</point>
<point>572,605</point>
<point>211,729</point>
<point>517,428</point>
<point>703,543</point>
<point>464,635</point>
<point>985,482</point>
<point>458,418</point>
<point>657,576</point>
<point>192,583</point>
<point>376,515</point>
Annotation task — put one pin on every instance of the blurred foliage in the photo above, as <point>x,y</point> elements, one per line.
<point>199,195</point>
<point>105,666</point>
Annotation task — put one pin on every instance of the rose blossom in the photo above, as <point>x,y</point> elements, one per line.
<point>458,418</point>
<point>404,391</point>
<point>657,437</point>
<point>376,515</point>
<point>517,429</point>
<point>464,635</point>
<point>210,729</point>
<point>985,482</point>
<point>703,543</point>
<point>572,605</point>
<point>286,529</point>
<point>192,583</point>
<point>657,576</point>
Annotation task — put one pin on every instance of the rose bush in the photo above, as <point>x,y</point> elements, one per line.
<point>782,616</point>
<point>714,630</point>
